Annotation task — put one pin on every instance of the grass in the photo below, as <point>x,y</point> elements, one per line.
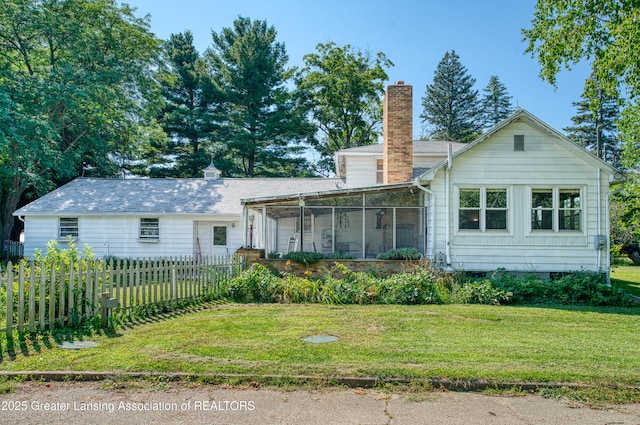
<point>626,277</point>
<point>506,344</point>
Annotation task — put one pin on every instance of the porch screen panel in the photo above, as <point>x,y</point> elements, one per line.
<point>378,231</point>
<point>348,231</point>
<point>410,228</point>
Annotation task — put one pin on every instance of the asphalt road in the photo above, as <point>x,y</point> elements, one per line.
<point>90,403</point>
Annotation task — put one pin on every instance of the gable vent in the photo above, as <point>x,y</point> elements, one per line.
<point>518,142</point>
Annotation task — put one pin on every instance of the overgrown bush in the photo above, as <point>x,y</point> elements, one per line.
<point>303,257</point>
<point>400,254</point>
<point>423,285</point>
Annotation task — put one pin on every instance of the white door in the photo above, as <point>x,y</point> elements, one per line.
<point>220,239</point>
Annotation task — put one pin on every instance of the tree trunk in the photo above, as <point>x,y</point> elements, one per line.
<point>9,198</point>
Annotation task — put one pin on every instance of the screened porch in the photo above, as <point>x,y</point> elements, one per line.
<point>361,222</point>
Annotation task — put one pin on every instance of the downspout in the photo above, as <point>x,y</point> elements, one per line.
<point>447,206</point>
<point>432,196</point>
<point>245,225</point>
<point>606,215</point>
<point>264,230</point>
<point>599,220</point>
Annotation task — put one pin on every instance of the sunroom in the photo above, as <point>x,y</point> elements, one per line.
<point>362,222</point>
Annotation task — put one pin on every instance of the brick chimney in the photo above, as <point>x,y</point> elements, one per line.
<point>398,134</point>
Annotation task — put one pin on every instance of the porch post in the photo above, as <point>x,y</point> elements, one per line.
<point>301,225</point>
<point>264,229</point>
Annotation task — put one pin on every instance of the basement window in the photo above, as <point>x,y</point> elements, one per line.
<point>518,142</point>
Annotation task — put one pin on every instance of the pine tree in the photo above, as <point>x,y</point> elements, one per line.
<point>451,104</point>
<point>496,103</point>
<point>186,116</point>
<point>265,130</point>
<point>595,123</point>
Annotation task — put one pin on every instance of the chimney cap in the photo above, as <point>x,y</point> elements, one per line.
<point>399,83</point>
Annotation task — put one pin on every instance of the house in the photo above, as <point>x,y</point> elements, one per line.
<point>154,217</point>
<point>520,197</point>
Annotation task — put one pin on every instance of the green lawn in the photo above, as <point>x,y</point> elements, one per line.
<point>626,277</point>
<point>593,345</point>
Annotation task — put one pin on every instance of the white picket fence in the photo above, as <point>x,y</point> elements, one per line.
<point>38,297</point>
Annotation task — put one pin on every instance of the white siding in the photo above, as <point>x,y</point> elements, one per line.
<point>361,171</point>
<point>545,163</point>
<point>118,235</point>
<point>427,161</point>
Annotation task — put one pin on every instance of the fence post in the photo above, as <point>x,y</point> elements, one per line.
<point>9,292</point>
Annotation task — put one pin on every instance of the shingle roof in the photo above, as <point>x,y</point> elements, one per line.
<point>419,147</point>
<point>91,196</point>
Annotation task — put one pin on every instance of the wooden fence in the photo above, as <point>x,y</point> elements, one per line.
<point>37,296</point>
<point>12,249</point>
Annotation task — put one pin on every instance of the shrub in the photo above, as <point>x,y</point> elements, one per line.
<point>482,292</point>
<point>304,257</point>
<point>339,256</point>
<point>400,254</point>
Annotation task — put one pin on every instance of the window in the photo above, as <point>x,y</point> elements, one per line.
<point>379,171</point>
<point>68,226</point>
<point>518,142</point>
<point>569,209</point>
<point>542,209</point>
<point>220,235</point>
<point>482,209</point>
<point>469,209</point>
<point>307,224</point>
<point>556,209</point>
<point>149,229</point>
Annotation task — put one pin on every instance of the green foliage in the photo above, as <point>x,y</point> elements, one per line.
<point>336,255</point>
<point>343,88</point>
<point>68,260</point>
<point>577,288</point>
<point>450,105</point>
<point>75,87</point>
<point>496,103</point>
<point>303,257</point>
<point>187,115</point>
<point>400,254</point>
<point>595,122</point>
<point>482,292</point>
<point>424,285</point>
<point>263,124</point>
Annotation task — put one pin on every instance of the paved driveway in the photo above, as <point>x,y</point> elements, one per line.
<point>88,403</point>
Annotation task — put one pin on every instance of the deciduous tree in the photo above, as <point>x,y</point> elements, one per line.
<point>344,89</point>
<point>74,76</point>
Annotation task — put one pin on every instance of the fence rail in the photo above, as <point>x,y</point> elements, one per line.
<point>39,296</point>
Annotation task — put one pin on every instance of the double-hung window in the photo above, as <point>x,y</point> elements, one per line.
<point>556,209</point>
<point>149,229</point>
<point>483,209</point>
<point>68,226</point>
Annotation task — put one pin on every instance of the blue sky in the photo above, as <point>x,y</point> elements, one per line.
<point>414,35</point>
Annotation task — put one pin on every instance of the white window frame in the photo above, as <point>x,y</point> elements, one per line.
<point>555,210</point>
<point>149,230</point>
<point>379,171</point>
<point>308,226</point>
<point>70,227</point>
<point>482,228</point>
<point>226,235</point>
